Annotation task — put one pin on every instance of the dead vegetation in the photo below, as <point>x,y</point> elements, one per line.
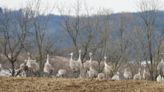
<point>34,84</point>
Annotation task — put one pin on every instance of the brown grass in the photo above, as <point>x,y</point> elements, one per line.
<point>76,85</point>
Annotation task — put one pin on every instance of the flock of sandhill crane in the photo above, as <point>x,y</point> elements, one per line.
<point>90,70</point>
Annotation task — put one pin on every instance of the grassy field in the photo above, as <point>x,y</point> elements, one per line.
<point>76,85</point>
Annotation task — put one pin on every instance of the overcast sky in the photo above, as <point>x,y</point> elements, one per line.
<point>115,5</point>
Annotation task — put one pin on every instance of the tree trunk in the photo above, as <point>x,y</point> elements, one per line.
<point>99,67</point>
<point>150,56</point>
<point>12,68</point>
<point>41,65</point>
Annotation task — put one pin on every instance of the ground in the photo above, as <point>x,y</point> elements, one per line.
<point>8,84</point>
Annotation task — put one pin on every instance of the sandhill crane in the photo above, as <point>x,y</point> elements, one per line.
<point>86,65</point>
<point>92,73</point>
<point>145,75</point>
<point>101,76</point>
<point>160,68</point>
<point>127,74</point>
<point>80,66</point>
<point>107,69</point>
<point>61,73</point>
<point>74,66</point>
<point>48,68</point>
<point>23,68</point>
<point>72,63</point>
<point>116,76</point>
<point>138,75</point>
<point>159,78</point>
<point>94,63</point>
<point>79,62</point>
<point>32,65</point>
<point>90,59</point>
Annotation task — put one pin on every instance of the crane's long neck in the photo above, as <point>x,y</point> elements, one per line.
<point>105,63</point>
<point>48,59</point>
<point>79,59</point>
<point>90,60</point>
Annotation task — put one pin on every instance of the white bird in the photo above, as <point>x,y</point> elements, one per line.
<point>116,76</point>
<point>32,65</point>
<point>90,60</point>
<point>61,73</point>
<point>88,63</point>
<point>79,62</point>
<point>22,71</point>
<point>48,68</point>
<point>145,75</point>
<point>23,66</point>
<point>101,76</point>
<point>80,66</point>
<point>160,68</point>
<point>138,75</point>
<point>107,69</point>
<point>159,78</point>
<point>72,63</point>
<point>127,74</point>
<point>91,72</point>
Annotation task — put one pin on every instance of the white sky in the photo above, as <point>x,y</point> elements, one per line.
<point>115,5</point>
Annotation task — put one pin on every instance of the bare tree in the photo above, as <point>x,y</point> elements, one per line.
<point>119,48</point>
<point>72,25</point>
<point>149,15</point>
<point>102,29</point>
<point>14,29</point>
<point>21,30</point>
<point>42,42</point>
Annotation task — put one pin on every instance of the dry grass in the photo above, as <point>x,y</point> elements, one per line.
<point>76,85</point>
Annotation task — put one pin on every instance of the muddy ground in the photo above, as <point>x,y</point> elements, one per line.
<point>8,84</point>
